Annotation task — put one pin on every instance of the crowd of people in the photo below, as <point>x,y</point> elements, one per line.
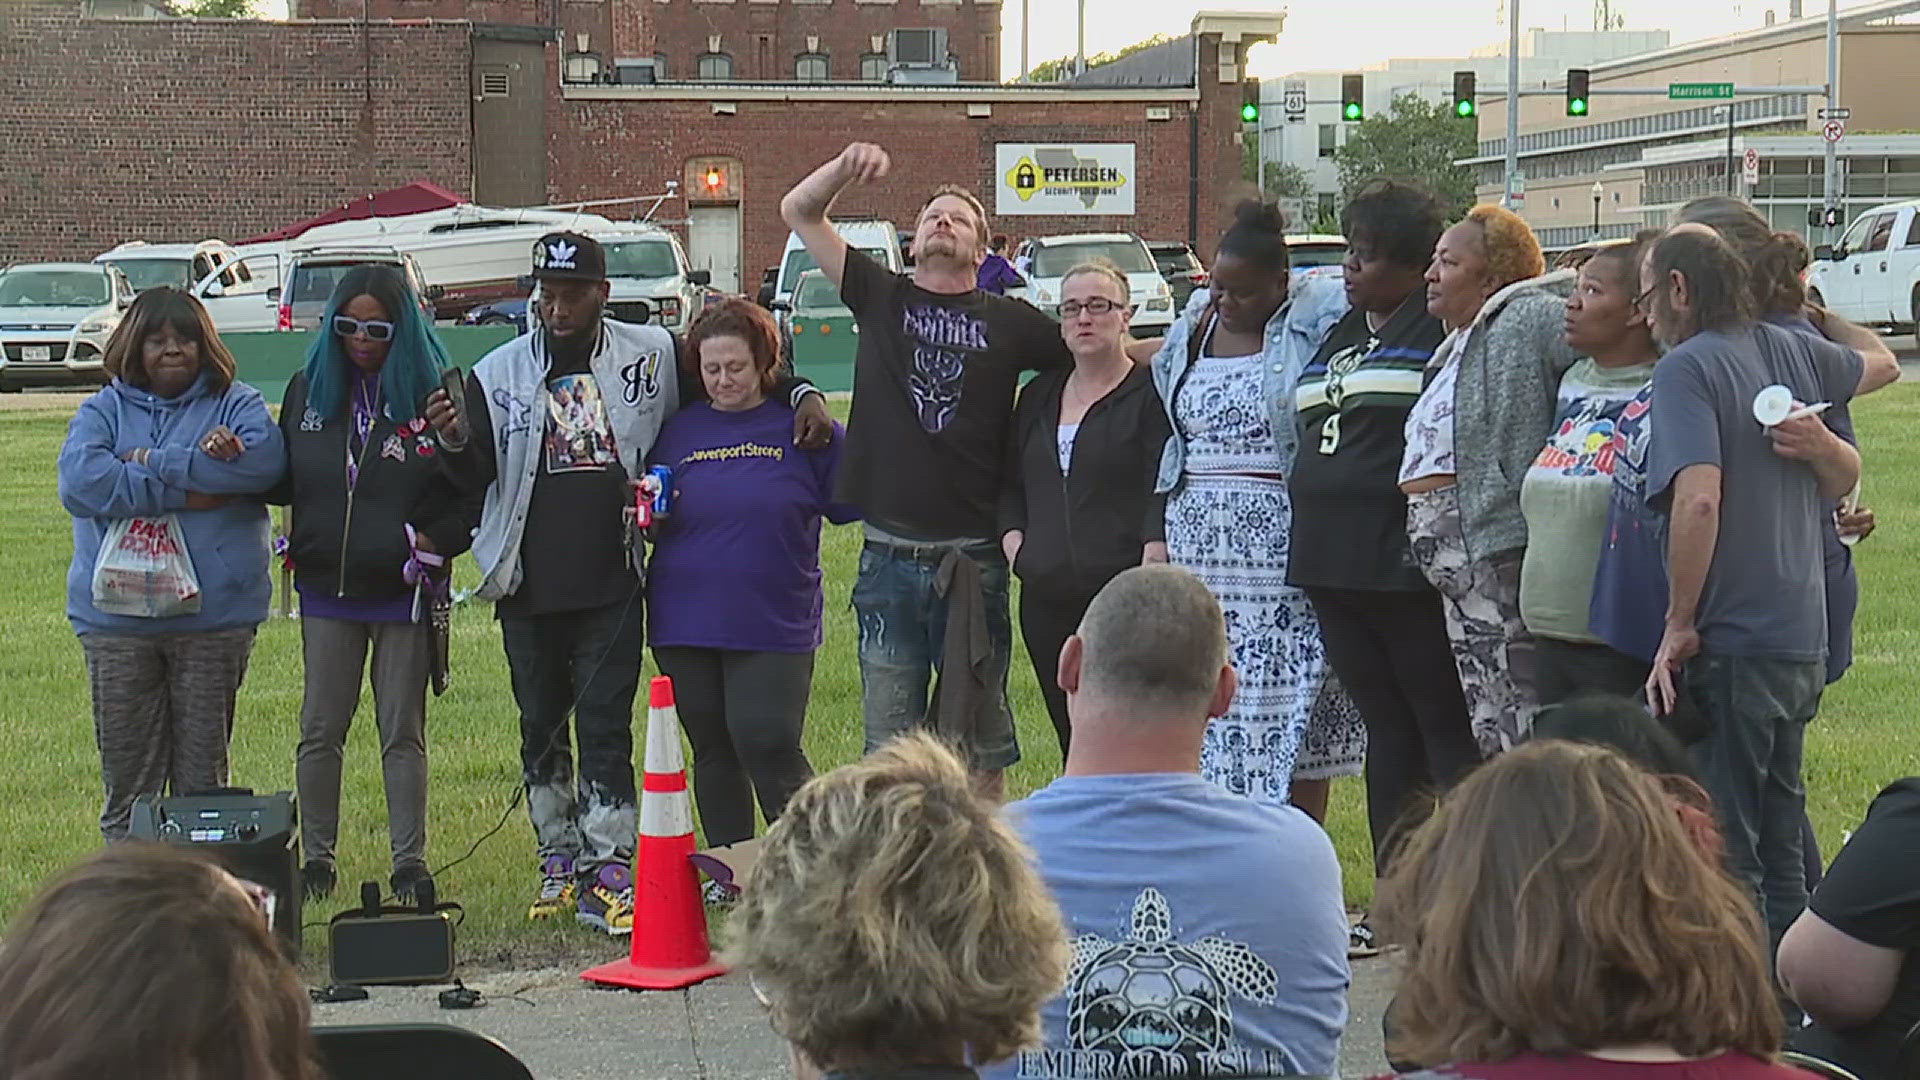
<point>1413,517</point>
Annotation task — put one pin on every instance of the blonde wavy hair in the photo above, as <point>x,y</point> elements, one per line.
<point>1555,903</point>
<point>894,915</point>
<point>1513,252</point>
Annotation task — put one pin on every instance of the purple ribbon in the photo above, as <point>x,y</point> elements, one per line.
<point>419,572</point>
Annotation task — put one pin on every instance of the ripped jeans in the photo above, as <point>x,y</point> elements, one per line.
<point>587,662</point>
<point>903,629</point>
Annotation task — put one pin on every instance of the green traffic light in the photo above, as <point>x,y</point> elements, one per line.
<point>1353,111</point>
<point>1576,106</point>
<point>1463,108</point>
<point>1249,113</point>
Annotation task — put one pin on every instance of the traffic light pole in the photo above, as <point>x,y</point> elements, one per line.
<point>1830,188</point>
<point>1513,103</point>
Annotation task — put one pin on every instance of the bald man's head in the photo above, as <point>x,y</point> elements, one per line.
<point>1155,638</point>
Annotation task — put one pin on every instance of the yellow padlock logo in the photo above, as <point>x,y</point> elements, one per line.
<point>1025,178</point>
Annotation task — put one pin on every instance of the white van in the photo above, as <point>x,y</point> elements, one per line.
<point>55,319</point>
<point>1873,275</point>
<point>876,239</point>
<point>234,286</point>
<point>1053,256</point>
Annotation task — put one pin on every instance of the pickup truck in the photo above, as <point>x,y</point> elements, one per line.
<point>1873,275</point>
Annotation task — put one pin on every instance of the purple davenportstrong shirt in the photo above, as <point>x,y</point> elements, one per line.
<point>737,564</point>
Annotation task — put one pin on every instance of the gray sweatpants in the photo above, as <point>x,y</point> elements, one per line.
<point>162,713</point>
<point>335,651</point>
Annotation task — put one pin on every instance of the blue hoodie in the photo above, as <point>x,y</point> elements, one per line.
<point>229,546</point>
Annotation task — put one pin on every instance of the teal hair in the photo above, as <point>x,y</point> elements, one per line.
<point>415,358</point>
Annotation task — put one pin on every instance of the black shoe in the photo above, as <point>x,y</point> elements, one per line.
<point>317,879</point>
<point>407,879</point>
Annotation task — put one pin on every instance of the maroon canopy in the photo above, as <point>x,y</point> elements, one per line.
<point>421,195</point>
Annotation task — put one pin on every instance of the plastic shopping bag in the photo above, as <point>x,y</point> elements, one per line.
<point>143,570</point>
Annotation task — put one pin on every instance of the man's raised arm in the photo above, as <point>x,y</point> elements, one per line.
<point>804,209</point>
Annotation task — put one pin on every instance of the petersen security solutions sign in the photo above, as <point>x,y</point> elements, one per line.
<point>1063,178</point>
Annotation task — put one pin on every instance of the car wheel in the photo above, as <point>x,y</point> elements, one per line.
<point>1916,318</point>
<point>9,388</point>
<point>1814,298</point>
<point>496,320</point>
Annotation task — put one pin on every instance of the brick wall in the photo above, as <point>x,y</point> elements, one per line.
<point>609,147</point>
<point>180,130</point>
<point>764,38</point>
<point>679,29</point>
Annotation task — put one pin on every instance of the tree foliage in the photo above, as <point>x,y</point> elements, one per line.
<point>1285,180</point>
<point>1062,68</point>
<point>1416,139</point>
<point>217,9</point>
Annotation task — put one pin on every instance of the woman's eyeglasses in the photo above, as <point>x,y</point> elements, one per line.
<point>1099,305</point>
<point>374,329</point>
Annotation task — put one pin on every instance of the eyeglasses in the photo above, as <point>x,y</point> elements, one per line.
<point>374,329</point>
<point>1099,305</point>
<point>1640,302</point>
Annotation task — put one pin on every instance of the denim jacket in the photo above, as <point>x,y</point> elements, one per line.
<point>1293,334</point>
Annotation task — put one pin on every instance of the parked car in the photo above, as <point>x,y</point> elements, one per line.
<point>819,335</point>
<point>650,278</point>
<point>499,313</point>
<point>877,239</point>
<point>1872,275</point>
<point>55,319</point>
<point>1053,256</point>
<point>1181,267</point>
<point>234,284</point>
<point>313,272</point>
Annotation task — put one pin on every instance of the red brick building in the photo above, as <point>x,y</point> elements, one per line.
<point>757,40</point>
<point>175,130</point>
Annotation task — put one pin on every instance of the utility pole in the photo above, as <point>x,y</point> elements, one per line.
<point>1513,101</point>
<point>1026,8</point>
<point>1830,190</point>
<point>1080,53</point>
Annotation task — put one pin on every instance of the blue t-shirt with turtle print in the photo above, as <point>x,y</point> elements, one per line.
<point>1208,931</point>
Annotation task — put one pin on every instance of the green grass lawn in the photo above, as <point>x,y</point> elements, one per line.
<point>50,793</point>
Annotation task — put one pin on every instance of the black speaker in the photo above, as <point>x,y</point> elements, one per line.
<point>255,837</point>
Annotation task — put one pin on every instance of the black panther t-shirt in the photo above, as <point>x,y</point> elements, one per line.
<point>1872,894</point>
<point>933,387</point>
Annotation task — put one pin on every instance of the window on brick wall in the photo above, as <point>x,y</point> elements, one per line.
<point>660,66</point>
<point>873,67</point>
<point>810,67</point>
<point>716,66</point>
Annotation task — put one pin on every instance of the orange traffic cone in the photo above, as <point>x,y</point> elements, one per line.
<point>670,947</point>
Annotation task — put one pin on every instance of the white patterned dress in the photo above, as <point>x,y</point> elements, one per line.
<point>1230,529</point>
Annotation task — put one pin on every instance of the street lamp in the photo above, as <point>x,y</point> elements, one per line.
<point>1597,192</point>
<point>1733,167</point>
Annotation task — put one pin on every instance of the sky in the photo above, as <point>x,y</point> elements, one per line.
<point>1333,34</point>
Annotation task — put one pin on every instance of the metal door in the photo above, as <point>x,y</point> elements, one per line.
<point>713,244</point>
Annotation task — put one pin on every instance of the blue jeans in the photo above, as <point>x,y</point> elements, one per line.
<point>1749,762</point>
<point>587,663</point>
<point>903,626</point>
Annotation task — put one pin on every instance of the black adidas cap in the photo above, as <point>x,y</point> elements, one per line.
<point>569,256</point>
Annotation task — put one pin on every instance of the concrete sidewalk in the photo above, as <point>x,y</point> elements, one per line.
<point>565,1030</point>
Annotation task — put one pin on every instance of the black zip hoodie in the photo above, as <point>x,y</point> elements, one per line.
<point>355,548</point>
<point>1088,525</point>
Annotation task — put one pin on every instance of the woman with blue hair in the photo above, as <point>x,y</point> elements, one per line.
<point>375,520</point>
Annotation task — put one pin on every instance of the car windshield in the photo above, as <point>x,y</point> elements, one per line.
<point>800,260</point>
<point>144,274</point>
<point>641,259</point>
<point>1317,253</point>
<point>815,293</point>
<point>53,288</point>
<point>1054,260</point>
<point>312,283</point>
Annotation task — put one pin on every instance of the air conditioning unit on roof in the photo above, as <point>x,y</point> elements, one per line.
<point>917,48</point>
